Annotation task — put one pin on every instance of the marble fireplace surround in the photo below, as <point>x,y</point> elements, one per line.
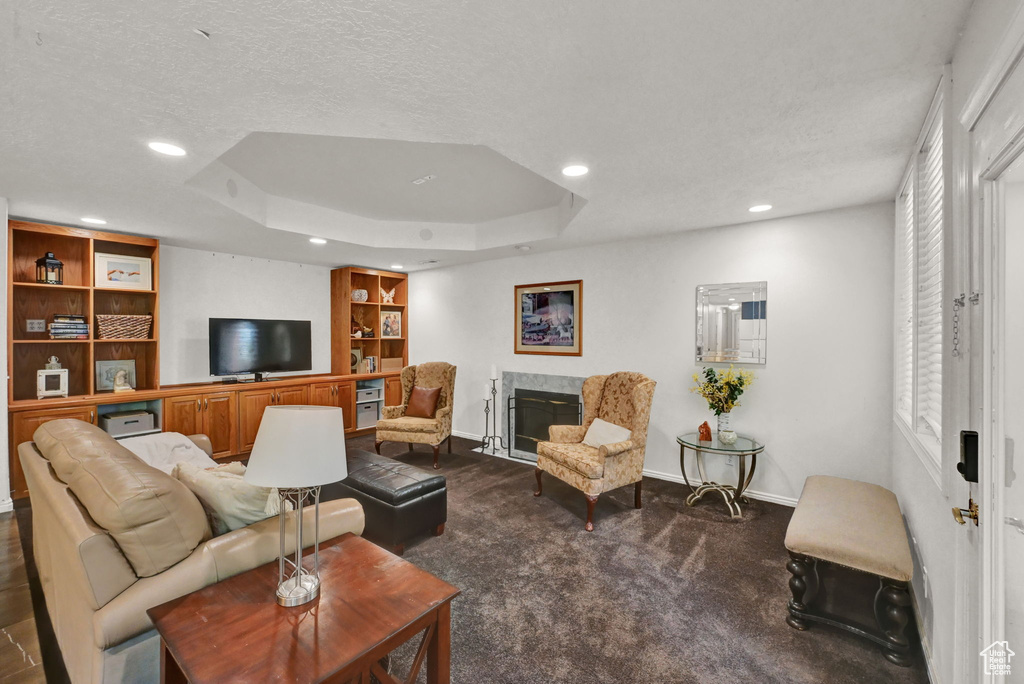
<point>511,381</point>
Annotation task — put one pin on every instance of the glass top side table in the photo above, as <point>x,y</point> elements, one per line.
<point>744,448</point>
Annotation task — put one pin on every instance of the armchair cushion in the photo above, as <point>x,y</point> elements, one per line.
<point>409,424</point>
<point>580,458</point>
<point>423,402</point>
<point>602,432</point>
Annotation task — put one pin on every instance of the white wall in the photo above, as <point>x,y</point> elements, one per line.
<point>198,285</point>
<point>823,402</point>
<point>5,477</point>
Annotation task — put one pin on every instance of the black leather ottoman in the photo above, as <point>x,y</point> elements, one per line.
<point>400,501</point>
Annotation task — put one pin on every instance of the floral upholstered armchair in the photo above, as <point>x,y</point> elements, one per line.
<point>620,398</point>
<point>396,426</point>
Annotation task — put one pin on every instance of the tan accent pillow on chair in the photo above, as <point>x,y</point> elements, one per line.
<point>423,402</point>
<point>602,432</point>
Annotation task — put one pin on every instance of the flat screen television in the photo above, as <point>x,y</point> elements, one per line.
<point>240,346</point>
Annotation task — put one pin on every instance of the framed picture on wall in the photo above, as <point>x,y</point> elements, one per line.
<point>123,272</point>
<point>549,318</point>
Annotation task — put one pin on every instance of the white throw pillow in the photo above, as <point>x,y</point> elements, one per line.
<point>602,432</point>
<point>230,502</point>
<point>164,450</point>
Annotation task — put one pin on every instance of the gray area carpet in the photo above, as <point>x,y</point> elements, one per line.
<point>668,593</point>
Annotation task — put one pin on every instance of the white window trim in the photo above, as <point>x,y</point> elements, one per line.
<point>928,449</point>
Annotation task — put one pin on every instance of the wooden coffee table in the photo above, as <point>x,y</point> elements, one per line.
<point>371,602</point>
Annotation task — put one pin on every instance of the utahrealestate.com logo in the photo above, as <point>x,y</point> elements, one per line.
<point>997,658</point>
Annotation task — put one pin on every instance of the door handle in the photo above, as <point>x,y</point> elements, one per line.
<point>206,404</point>
<point>199,405</point>
<point>970,512</point>
<point>92,415</point>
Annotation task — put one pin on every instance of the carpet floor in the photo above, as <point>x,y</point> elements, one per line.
<point>667,594</point>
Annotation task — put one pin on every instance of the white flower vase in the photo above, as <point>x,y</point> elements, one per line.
<point>725,432</point>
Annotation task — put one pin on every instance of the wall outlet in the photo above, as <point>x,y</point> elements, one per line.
<point>36,325</point>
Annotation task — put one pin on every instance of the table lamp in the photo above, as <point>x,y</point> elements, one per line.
<point>297,449</point>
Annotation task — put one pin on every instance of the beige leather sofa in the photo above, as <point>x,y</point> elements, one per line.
<point>95,597</point>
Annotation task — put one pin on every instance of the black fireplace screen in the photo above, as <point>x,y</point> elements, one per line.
<point>532,412</point>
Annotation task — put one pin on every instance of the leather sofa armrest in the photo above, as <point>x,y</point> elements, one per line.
<point>259,543</point>
<point>567,434</point>
<point>393,411</point>
<point>607,450</point>
<point>203,442</point>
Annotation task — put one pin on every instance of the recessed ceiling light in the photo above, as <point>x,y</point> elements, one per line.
<point>548,289</point>
<point>575,170</point>
<point>201,32</point>
<point>423,179</point>
<point>167,148</point>
<point>396,266</point>
<point>96,221</point>
<point>732,299</point>
<point>318,241</point>
<point>757,208</point>
<point>524,248</point>
<point>734,307</point>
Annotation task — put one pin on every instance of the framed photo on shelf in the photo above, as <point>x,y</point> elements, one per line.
<point>123,272</point>
<point>549,318</point>
<point>114,375</point>
<point>356,358</point>
<point>390,323</point>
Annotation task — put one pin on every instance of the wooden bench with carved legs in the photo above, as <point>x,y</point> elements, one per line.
<point>858,526</point>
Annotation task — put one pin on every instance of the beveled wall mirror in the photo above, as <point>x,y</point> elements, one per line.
<point>732,322</point>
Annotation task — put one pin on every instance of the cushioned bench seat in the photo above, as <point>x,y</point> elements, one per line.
<point>855,524</point>
<point>859,526</point>
<point>399,500</point>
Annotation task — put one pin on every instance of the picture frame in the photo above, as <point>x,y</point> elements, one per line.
<point>390,324</point>
<point>117,271</point>
<point>549,318</point>
<point>106,371</point>
<point>356,358</point>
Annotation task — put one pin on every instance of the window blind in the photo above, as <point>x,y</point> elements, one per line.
<point>929,210</point>
<point>905,303</point>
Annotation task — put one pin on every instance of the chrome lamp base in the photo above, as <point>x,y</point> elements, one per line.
<point>295,584</point>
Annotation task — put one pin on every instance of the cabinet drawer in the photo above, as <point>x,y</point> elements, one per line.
<point>371,394</point>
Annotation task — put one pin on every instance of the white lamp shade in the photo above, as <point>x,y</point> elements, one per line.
<point>298,446</point>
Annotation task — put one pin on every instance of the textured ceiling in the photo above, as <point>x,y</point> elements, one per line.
<point>686,111</point>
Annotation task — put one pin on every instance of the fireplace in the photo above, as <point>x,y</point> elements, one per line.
<point>531,412</point>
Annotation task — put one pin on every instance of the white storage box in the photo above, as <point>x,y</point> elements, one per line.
<point>367,394</point>
<point>127,422</point>
<point>366,415</point>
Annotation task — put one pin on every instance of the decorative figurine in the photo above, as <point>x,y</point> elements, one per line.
<point>367,331</point>
<point>387,297</point>
<point>704,431</point>
<point>727,437</point>
<point>121,381</point>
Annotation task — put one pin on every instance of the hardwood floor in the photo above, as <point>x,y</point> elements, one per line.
<point>21,659</point>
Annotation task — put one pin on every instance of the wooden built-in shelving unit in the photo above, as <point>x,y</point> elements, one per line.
<point>343,310</point>
<point>27,352</point>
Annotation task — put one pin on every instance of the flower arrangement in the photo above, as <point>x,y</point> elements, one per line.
<point>722,390</point>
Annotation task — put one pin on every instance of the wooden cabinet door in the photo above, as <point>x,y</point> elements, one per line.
<point>23,426</point>
<point>220,422</point>
<point>293,396</point>
<point>393,391</point>
<point>251,404</point>
<point>323,394</point>
<point>347,402</point>
<point>183,414</point>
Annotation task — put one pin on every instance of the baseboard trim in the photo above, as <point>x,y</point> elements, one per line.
<point>658,475</point>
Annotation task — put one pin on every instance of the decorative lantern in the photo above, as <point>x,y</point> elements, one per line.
<point>50,270</point>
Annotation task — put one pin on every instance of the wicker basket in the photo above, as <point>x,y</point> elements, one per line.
<point>123,327</point>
